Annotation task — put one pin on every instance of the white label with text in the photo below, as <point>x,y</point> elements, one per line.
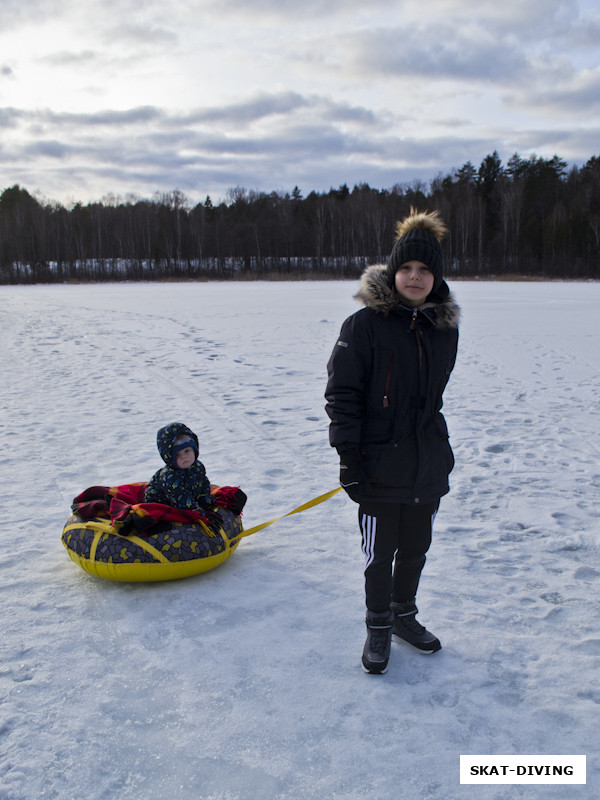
<point>522,769</point>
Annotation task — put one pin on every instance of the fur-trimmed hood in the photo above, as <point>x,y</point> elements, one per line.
<point>375,293</point>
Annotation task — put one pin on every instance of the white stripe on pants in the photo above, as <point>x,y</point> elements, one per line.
<point>368,527</point>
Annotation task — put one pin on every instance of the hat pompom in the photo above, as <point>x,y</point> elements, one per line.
<point>430,221</point>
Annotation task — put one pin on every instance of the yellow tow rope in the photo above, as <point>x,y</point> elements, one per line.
<point>310,504</point>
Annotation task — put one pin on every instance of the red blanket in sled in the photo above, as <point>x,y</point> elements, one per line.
<point>128,513</point>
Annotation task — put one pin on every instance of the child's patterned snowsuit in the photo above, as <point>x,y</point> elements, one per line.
<point>180,488</point>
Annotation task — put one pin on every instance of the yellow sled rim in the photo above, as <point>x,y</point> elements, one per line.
<point>160,564</point>
<point>149,573</point>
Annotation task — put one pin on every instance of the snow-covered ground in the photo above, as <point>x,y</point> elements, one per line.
<point>245,682</point>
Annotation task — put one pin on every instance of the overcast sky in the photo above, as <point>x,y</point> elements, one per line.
<point>130,97</point>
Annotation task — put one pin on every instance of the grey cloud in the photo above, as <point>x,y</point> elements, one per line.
<point>285,108</point>
<point>69,59</point>
<point>441,52</point>
<point>9,117</point>
<point>148,34</point>
<point>109,118</point>
<point>50,148</point>
<point>576,146</point>
<point>283,105</point>
<point>292,141</point>
<point>165,154</point>
<point>119,21</point>
<point>525,21</point>
<point>579,95</point>
<point>14,13</point>
<point>343,112</point>
<point>585,33</point>
<point>266,104</point>
<point>309,140</point>
<point>291,9</point>
<point>257,107</point>
<point>492,43</point>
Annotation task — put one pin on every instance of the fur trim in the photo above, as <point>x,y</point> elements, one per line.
<point>429,221</point>
<point>375,293</point>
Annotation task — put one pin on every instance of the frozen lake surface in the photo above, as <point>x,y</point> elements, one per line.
<point>245,682</point>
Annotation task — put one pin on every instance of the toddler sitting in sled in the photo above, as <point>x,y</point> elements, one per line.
<point>182,483</point>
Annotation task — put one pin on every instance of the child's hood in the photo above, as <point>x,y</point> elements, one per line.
<point>376,293</point>
<point>166,438</point>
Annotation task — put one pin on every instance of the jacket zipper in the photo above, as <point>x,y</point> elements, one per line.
<point>388,377</point>
<point>413,327</point>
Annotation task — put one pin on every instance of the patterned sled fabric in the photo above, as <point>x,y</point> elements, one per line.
<point>167,551</point>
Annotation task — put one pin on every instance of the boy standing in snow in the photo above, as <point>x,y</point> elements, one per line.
<point>387,374</point>
<point>183,482</point>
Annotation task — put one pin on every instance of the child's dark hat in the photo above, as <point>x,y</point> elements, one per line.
<point>418,239</point>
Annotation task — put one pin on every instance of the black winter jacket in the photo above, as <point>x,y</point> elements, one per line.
<point>387,374</point>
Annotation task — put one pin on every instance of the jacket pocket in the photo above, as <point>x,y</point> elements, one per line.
<point>392,465</point>
<point>377,432</point>
<point>442,441</point>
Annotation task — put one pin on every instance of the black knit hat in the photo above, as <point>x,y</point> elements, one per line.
<point>419,237</point>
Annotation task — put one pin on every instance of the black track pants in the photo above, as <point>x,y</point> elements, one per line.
<point>395,539</point>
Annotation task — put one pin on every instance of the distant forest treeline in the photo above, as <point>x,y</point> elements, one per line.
<point>531,217</point>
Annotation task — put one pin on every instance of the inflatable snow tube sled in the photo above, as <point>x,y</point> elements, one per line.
<point>168,550</point>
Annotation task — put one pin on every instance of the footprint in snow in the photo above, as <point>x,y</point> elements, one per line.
<point>587,574</point>
<point>496,448</point>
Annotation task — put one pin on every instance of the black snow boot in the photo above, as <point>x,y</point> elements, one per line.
<point>407,629</point>
<point>376,652</point>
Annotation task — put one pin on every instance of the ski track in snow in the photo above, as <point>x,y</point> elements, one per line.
<point>245,682</point>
